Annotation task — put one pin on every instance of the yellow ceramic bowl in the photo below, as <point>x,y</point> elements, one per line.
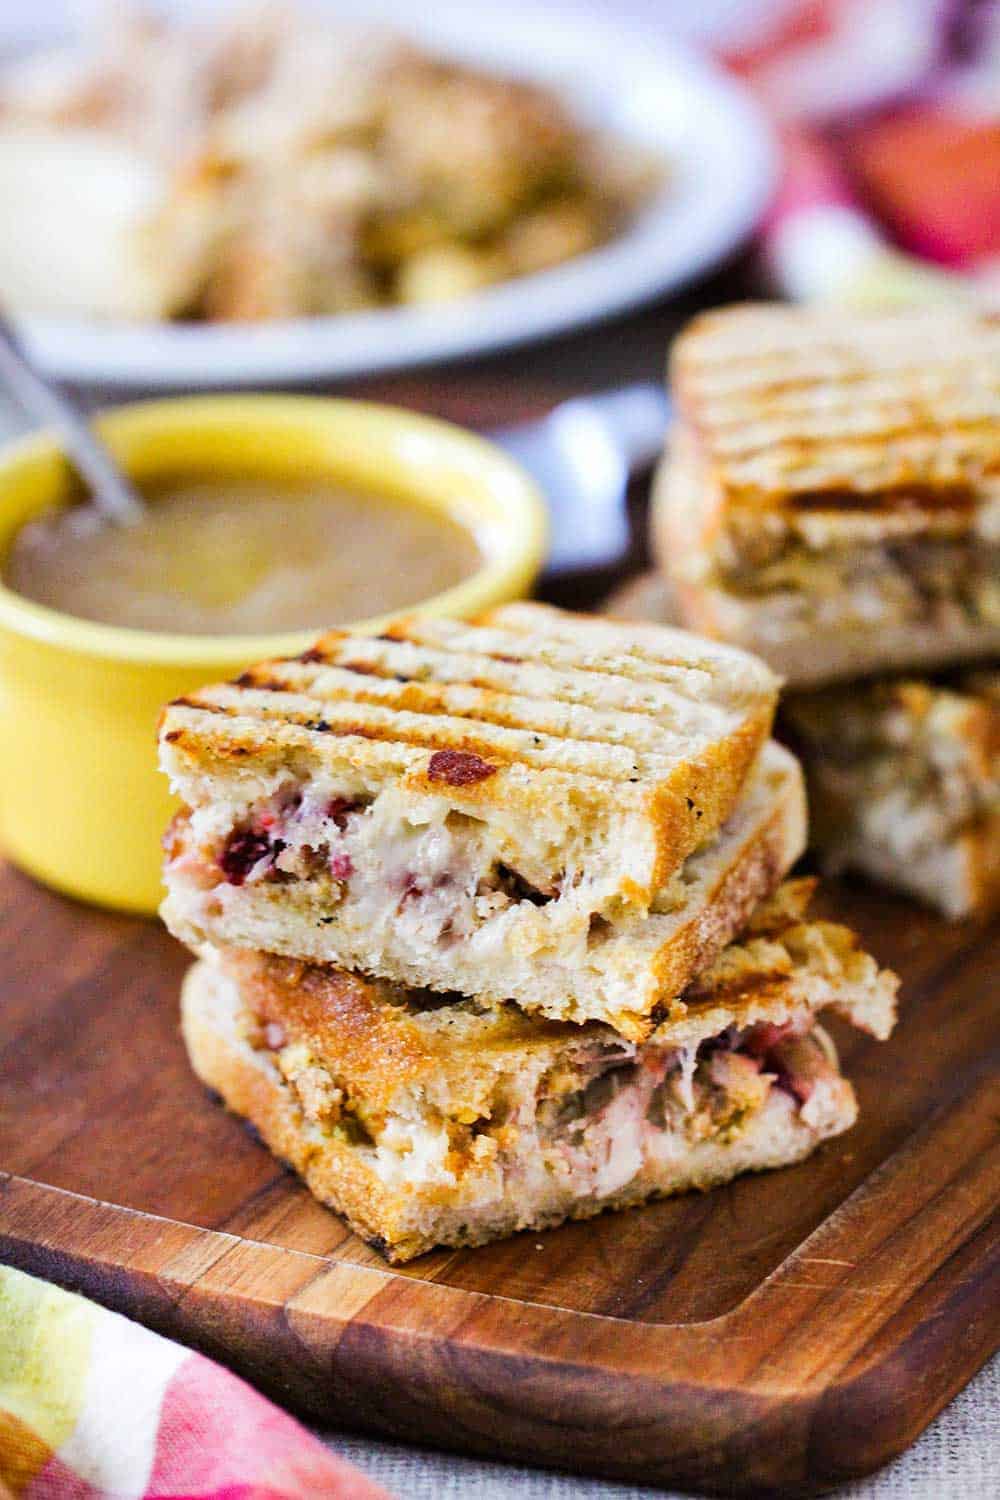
<point>82,804</point>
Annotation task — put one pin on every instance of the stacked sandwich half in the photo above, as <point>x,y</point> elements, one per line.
<point>831,500</point>
<point>492,922</point>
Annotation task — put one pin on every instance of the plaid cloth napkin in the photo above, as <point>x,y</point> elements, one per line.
<point>94,1407</point>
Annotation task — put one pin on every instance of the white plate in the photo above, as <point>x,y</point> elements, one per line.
<point>638,84</point>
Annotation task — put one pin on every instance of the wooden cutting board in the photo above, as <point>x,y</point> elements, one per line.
<point>784,1333</point>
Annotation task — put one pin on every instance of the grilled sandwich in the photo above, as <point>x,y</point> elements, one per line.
<point>903,773</point>
<point>831,498</point>
<point>556,810</point>
<point>904,779</point>
<point>425,1119</point>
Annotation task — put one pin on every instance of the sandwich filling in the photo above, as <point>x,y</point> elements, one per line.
<point>370,888</point>
<point>429,857</point>
<point>599,1115</point>
<point>433,874</point>
<point>530,759</point>
<point>931,580</point>
<point>429,1118</point>
<point>903,772</point>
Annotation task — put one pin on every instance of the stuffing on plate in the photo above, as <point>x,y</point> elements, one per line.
<point>311,166</point>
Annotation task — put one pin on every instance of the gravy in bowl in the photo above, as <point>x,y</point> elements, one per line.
<point>242,556</point>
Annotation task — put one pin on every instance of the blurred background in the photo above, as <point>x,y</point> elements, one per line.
<point>264,194</point>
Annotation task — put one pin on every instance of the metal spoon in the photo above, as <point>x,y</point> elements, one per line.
<point>111,493</point>
<point>582,454</point>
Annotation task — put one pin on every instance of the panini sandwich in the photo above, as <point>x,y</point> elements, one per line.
<point>832,494</point>
<point>903,773</point>
<point>543,808</point>
<point>904,779</point>
<point>427,1119</point>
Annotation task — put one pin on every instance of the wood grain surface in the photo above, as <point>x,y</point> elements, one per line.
<point>779,1335</point>
<point>782,1333</point>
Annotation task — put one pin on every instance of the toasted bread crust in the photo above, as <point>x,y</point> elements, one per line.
<point>403,1225</point>
<point>628,970</point>
<point>389,1057</point>
<point>688,520</point>
<point>730,906</point>
<point>382,1039</point>
<point>379,1037</point>
<point>567,721</point>
<point>789,407</point>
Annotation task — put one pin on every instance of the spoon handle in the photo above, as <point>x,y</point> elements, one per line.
<point>111,493</point>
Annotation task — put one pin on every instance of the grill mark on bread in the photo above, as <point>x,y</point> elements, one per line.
<point>470,701</point>
<point>196,701</point>
<point>367,669</point>
<point>803,398</point>
<point>664,726</point>
<point>560,655</point>
<point>432,732</point>
<point>887,498</point>
<point>262,678</point>
<point>631,651</point>
<point>790,404</point>
<point>543,636</point>
<point>388,733</point>
<point>730,374</point>
<point>788,439</point>
<point>664,747</point>
<point>433,671</point>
